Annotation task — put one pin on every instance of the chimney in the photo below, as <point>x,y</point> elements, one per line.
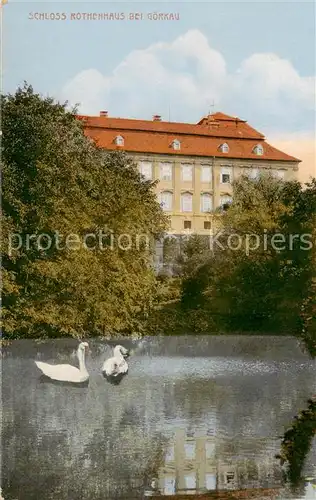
<point>104,113</point>
<point>157,118</point>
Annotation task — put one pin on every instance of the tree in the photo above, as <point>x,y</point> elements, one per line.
<point>67,205</point>
<point>261,267</point>
<point>195,245</point>
<point>296,444</point>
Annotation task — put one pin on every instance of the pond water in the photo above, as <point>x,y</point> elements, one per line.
<point>195,413</point>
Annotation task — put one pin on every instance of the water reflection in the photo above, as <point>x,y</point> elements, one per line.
<point>179,422</point>
<point>47,380</point>
<point>296,444</point>
<point>196,463</point>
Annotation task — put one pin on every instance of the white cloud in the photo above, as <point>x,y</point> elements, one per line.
<point>186,75</point>
<point>88,88</point>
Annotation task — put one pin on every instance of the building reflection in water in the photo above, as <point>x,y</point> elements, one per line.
<point>196,462</point>
<point>194,423</point>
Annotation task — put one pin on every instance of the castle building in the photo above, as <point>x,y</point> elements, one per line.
<point>195,164</point>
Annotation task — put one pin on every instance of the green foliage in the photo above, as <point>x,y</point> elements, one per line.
<point>194,250</point>
<point>56,180</point>
<point>195,245</point>
<point>170,250</point>
<point>297,442</point>
<point>179,251</point>
<point>258,289</point>
<point>171,319</point>
<point>308,318</point>
<point>168,290</point>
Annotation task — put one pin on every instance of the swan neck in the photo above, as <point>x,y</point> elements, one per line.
<point>82,364</point>
<point>118,354</point>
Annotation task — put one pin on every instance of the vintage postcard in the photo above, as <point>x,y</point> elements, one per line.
<point>158,250</point>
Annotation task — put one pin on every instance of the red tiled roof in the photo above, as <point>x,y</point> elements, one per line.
<point>215,128</point>
<point>201,139</point>
<point>222,117</point>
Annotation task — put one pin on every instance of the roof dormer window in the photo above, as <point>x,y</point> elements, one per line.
<point>176,144</point>
<point>119,140</point>
<point>224,148</point>
<point>258,150</point>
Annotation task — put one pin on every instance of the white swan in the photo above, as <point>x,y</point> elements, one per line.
<point>67,373</point>
<point>115,366</point>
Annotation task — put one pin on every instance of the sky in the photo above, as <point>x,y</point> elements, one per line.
<point>255,60</point>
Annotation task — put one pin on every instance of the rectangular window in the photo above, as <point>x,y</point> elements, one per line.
<point>186,171</point>
<point>206,202</point>
<point>254,173</point>
<point>189,449</point>
<point>279,174</point>
<point>225,179</point>
<point>169,485</point>
<point>170,454</point>
<point>226,175</point>
<point>166,171</point>
<point>225,200</point>
<point>210,481</point>
<point>145,168</point>
<point>166,201</point>
<point>186,202</point>
<point>230,477</point>
<point>190,482</point>
<point>187,224</point>
<point>206,174</point>
<point>207,224</point>
<point>209,449</point>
